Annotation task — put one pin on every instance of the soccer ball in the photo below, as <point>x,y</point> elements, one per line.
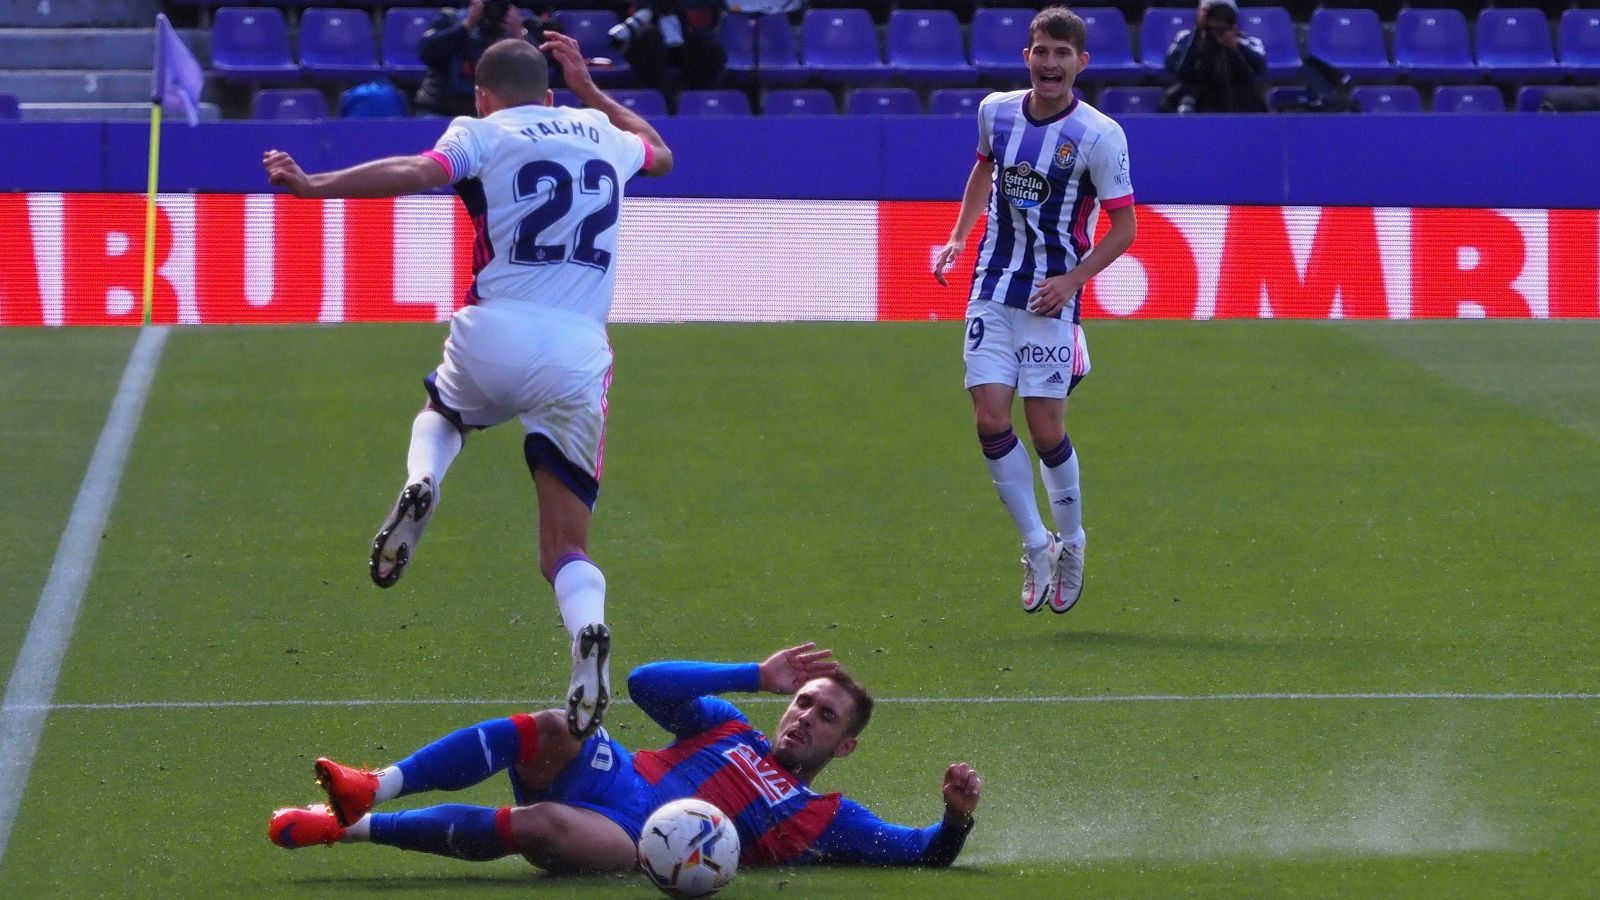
<point>689,848</point>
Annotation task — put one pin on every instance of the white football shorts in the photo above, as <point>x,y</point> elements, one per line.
<point>547,367</point>
<point>1036,355</point>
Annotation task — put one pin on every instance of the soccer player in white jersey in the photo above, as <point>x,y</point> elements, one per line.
<point>1047,164</point>
<point>542,185</point>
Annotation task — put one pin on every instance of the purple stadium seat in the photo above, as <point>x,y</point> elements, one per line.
<point>1110,46</point>
<point>999,35</point>
<point>778,58</point>
<point>800,102</point>
<point>402,34</point>
<point>925,45</point>
<point>1433,45</point>
<point>1275,28</point>
<point>251,45</point>
<point>1514,45</point>
<point>338,45</point>
<point>956,101</point>
<point>1117,101</point>
<point>713,103</point>
<point>1350,40</point>
<point>1529,96</point>
<point>1464,98</point>
<point>1401,98</point>
<point>1156,33</point>
<point>842,45</point>
<point>566,97</point>
<point>1580,42</point>
<point>289,103</point>
<point>10,109</point>
<point>1285,96</point>
<point>891,101</point>
<point>588,27</point>
<point>647,102</point>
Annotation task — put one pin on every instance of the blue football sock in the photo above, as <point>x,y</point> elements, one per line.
<point>463,758</point>
<point>454,830</point>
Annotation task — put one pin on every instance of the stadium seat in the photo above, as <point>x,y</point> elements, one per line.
<point>565,97</point>
<point>1515,45</point>
<point>1398,98</point>
<point>402,35</point>
<point>647,102</point>
<point>1529,96</point>
<point>777,56</point>
<point>1350,40</point>
<point>956,101</point>
<point>338,45</point>
<point>1116,101</point>
<point>800,102</point>
<point>999,35</point>
<point>841,45</point>
<point>588,27</point>
<point>925,46</point>
<point>1433,45</point>
<point>890,101</point>
<point>1110,47</point>
<point>1285,96</point>
<point>251,45</point>
<point>289,103</point>
<point>713,103</point>
<point>1463,98</point>
<point>1580,42</point>
<point>1157,31</point>
<point>1276,30</point>
<point>10,109</point>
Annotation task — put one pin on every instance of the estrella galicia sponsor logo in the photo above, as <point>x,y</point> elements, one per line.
<point>1024,187</point>
<point>1066,156</point>
<point>1034,354</point>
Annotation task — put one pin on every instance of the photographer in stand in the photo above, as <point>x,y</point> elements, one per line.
<point>451,47</point>
<point>1218,68</point>
<point>672,41</point>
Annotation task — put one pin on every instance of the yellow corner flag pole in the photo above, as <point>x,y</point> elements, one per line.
<point>150,210</point>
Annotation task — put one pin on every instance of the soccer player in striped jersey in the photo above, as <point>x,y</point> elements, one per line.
<point>581,806</point>
<point>543,186</point>
<point>1047,164</point>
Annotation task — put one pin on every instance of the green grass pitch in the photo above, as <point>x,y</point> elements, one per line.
<point>1277,512</point>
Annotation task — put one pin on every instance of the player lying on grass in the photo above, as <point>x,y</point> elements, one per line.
<point>580,805</point>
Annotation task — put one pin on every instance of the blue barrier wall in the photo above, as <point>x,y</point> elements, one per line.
<point>1509,160</point>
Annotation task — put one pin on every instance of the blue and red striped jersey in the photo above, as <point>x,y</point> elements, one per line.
<point>719,757</point>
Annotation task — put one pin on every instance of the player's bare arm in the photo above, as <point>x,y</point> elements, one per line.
<point>973,201</point>
<point>787,671</point>
<point>394,176</point>
<point>564,50</point>
<point>962,789</point>
<point>1055,292</point>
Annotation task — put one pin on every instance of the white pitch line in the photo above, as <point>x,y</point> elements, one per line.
<point>33,678</point>
<point>525,703</point>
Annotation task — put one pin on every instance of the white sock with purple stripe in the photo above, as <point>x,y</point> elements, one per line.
<point>1012,472</point>
<point>1059,469</point>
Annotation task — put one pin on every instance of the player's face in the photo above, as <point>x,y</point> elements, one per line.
<point>812,730</point>
<point>1052,66</point>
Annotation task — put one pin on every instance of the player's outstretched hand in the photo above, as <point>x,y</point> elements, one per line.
<point>962,788</point>
<point>284,172</point>
<point>788,670</point>
<point>945,259</point>
<point>564,49</point>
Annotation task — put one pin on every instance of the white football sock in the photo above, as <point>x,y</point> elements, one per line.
<point>359,831</point>
<point>390,781</point>
<point>580,595</point>
<point>1066,500</point>
<point>1013,480</point>
<point>435,441</point>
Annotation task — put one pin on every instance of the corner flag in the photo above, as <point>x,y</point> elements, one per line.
<point>178,77</point>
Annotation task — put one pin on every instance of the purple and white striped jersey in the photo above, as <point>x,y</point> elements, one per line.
<point>543,187</point>
<point>1051,178</point>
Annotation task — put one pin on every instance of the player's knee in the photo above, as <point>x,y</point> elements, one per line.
<point>991,421</point>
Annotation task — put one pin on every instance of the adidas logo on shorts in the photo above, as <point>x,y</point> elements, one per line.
<point>1055,378</point>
